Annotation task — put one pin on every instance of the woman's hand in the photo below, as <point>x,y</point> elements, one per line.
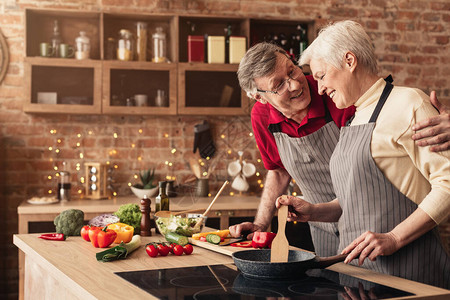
<point>370,245</point>
<point>299,209</point>
<point>435,130</point>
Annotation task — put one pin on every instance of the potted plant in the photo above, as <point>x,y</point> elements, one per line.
<point>147,186</point>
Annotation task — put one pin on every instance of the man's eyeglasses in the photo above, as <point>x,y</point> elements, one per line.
<point>283,87</point>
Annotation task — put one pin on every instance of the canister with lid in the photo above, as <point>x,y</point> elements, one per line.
<point>159,45</point>
<point>125,45</point>
<point>216,49</point>
<point>83,46</point>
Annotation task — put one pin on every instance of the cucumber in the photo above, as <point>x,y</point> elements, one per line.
<point>173,237</point>
<point>213,239</point>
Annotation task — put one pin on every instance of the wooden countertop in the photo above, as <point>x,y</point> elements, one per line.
<point>111,205</point>
<point>75,268</point>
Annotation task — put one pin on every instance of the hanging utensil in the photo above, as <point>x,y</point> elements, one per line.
<point>280,245</point>
<point>195,167</point>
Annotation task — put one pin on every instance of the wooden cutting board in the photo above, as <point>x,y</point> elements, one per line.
<point>227,250</point>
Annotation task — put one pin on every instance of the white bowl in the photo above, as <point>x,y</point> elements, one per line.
<point>141,192</point>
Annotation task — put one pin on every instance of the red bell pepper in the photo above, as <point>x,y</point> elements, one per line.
<point>262,239</point>
<point>53,236</point>
<point>244,244</point>
<point>102,238</point>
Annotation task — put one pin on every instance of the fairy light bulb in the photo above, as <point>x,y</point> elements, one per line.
<point>140,130</point>
<point>173,150</point>
<point>115,135</point>
<point>250,134</point>
<point>50,148</point>
<point>222,136</point>
<point>129,184</point>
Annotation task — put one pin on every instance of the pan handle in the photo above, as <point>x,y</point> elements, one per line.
<point>324,262</point>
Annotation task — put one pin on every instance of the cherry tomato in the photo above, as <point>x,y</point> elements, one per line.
<point>188,249</point>
<point>171,246</point>
<point>151,250</point>
<point>163,250</point>
<point>178,250</point>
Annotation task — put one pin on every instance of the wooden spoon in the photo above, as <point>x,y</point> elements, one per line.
<point>280,246</point>
<point>212,202</point>
<point>195,167</point>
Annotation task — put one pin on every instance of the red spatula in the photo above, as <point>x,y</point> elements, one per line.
<point>280,245</point>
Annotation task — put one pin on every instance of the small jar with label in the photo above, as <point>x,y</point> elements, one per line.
<point>125,46</point>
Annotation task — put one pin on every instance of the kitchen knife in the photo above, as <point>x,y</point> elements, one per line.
<point>229,241</point>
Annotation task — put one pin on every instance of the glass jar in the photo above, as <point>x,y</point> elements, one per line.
<point>159,45</point>
<point>83,46</point>
<point>125,46</point>
<point>141,42</point>
<point>110,53</point>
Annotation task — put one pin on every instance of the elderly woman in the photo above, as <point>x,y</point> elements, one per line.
<point>391,194</point>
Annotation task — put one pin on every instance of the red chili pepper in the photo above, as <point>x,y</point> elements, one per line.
<point>262,239</point>
<point>53,236</point>
<point>244,244</point>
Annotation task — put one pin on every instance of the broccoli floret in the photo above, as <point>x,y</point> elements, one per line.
<point>130,214</point>
<point>69,222</point>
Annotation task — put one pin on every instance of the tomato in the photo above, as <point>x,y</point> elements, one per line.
<point>151,250</point>
<point>188,249</point>
<point>202,238</point>
<point>178,250</point>
<point>163,250</point>
<point>171,247</point>
<point>85,233</point>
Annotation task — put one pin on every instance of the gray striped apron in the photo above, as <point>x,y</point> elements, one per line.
<point>370,202</point>
<point>307,161</point>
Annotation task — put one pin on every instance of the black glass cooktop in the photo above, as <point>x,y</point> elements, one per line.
<point>225,282</point>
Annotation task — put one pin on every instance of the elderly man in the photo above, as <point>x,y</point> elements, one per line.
<point>296,131</point>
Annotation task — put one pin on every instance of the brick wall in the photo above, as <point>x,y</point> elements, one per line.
<point>412,43</point>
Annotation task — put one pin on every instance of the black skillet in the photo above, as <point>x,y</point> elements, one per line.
<point>256,263</point>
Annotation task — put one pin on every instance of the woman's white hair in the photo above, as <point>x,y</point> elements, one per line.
<point>335,40</point>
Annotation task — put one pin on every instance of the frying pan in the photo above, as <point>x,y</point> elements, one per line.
<point>256,263</point>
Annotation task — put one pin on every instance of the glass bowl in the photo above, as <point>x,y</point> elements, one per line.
<point>186,226</point>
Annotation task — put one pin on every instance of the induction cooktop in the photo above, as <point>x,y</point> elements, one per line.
<point>226,282</point>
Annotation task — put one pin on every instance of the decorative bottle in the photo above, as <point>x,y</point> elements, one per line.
<point>162,200</point>
<point>56,39</point>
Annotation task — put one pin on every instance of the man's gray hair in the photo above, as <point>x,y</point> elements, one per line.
<point>335,40</point>
<point>259,61</point>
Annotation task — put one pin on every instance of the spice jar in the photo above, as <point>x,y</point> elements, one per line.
<point>159,45</point>
<point>83,46</point>
<point>141,42</point>
<point>125,49</point>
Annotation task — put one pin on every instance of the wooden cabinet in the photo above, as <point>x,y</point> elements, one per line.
<point>104,85</point>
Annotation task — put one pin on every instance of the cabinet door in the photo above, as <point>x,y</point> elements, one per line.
<point>205,89</point>
<point>131,88</point>
<point>60,86</point>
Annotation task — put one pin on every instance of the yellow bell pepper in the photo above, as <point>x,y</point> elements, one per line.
<point>124,232</point>
<point>222,233</point>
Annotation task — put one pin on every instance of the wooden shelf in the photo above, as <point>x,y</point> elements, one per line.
<point>101,85</point>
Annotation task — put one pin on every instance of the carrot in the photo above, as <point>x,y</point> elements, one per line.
<point>222,233</point>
